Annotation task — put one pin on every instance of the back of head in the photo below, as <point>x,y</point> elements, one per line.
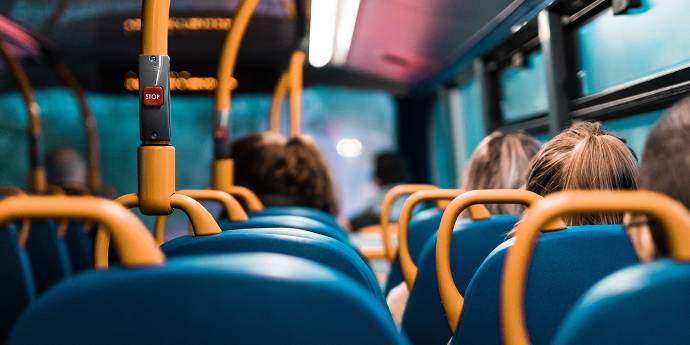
<point>665,162</point>
<point>500,162</point>
<point>583,156</point>
<point>257,157</point>
<point>391,168</point>
<point>66,168</point>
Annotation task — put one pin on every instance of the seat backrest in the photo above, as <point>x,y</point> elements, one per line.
<point>643,304</point>
<point>300,211</point>
<point>288,221</point>
<point>322,249</point>
<point>565,264</point>
<point>80,246</point>
<point>48,254</point>
<point>217,299</point>
<point>422,226</point>
<point>17,289</point>
<point>424,321</point>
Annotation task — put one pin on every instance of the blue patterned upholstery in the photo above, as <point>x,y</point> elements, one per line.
<point>216,299</point>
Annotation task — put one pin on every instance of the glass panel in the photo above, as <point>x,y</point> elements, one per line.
<point>634,129</point>
<point>471,105</point>
<point>523,89</point>
<point>618,49</point>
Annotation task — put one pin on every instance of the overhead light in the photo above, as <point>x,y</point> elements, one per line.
<point>331,27</point>
<point>349,148</point>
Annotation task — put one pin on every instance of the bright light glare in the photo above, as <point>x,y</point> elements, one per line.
<point>322,31</point>
<point>349,148</point>
<point>347,17</point>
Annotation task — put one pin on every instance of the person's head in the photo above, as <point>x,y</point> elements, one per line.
<point>257,159</point>
<point>500,161</point>
<point>664,168</point>
<point>391,168</point>
<point>583,156</point>
<point>66,168</point>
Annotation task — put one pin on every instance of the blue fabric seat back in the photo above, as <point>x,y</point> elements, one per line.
<point>48,254</point>
<point>424,321</point>
<point>299,211</point>
<point>564,265</point>
<point>422,226</point>
<point>322,249</point>
<point>202,300</point>
<point>80,247</point>
<point>17,288</point>
<point>287,221</point>
<point>643,304</point>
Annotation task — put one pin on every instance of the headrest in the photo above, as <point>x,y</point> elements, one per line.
<point>290,221</point>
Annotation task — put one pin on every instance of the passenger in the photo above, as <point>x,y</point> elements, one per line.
<point>284,172</point>
<point>583,156</point>
<point>664,168</point>
<point>391,170</point>
<point>500,161</point>
<point>65,168</point>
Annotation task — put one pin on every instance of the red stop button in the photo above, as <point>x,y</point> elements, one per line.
<point>152,96</point>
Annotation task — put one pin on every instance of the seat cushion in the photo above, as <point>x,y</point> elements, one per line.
<point>218,299</point>
<point>17,288</point>
<point>79,246</point>
<point>300,243</point>
<point>48,255</point>
<point>287,221</point>
<point>564,265</point>
<point>424,321</point>
<point>643,304</point>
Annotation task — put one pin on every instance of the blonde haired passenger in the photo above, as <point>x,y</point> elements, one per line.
<point>500,161</point>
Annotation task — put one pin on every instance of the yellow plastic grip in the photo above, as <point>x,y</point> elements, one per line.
<point>202,222</point>
<point>156,179</point>
<point>231,46</point>
<point>296,81</point>
<point>135,245</point>
<point>388,200</point>
<point>222,179</point>
<point>154,27</point>
<point>277,102</point>
<point>451,299</point>
<point>407,265</point>
<point>231,205</point>
<point>674,217</point>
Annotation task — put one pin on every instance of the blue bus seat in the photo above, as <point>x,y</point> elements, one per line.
<point>17,288</point>
<point>643,304</point>
<point>565,264</point>
<point>202,300</point>
<point>79,246</point>
<point>424,321</point>
<point>422,226</point>
<point>288,221</point>
<point>299,211</point>
<point>48,254</point>
<point>322,249</point>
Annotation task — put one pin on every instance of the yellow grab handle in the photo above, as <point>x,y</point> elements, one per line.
<point>222,180</point>
<point>202,222</point>
<point>296,80</point>
<point>136,246</point>
<point>154,27</point>
<point>451,299</point>
<point>674,217</point>
<point>228,57</point>
<point>231,205</point>
<point>407,265</point>
<point>388,200</point>
<point>277,102</point>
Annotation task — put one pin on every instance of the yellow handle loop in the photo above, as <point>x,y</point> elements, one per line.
<point>674,217</point>
<point>296,69</point>
<point>222,180</point>
<point>135,245</point>
<point>451,299</point>
<point>407,265</point>
<point>388,201</point>
<point>231,205</point>
<point>202,222</point>
<point>277,102</point>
